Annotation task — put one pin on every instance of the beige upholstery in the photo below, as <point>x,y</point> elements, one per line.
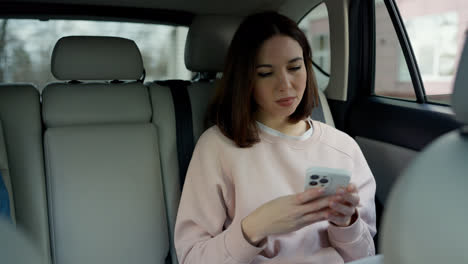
<point>22,134</point>
<point>16,246</point>
<point>164,120</point>
<point>105,192</point>
<point>327,116</point>
<point>119,59</point>
<point>95,103</point>
<point>208,41</point>
<point>425,220</point>
<point>426,216</point>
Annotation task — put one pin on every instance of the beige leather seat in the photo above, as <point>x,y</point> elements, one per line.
<point>426,220</point>
<point>16,247</point>
<point>105,194</point>
<point>22,163</point>
<point>206,45</point>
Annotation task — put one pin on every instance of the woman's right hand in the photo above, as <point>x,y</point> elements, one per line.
<point>286,214</point>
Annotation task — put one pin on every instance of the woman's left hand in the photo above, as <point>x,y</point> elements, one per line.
<point>343,207</point>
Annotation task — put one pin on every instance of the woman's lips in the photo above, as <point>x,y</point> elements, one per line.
<point>288,101</point>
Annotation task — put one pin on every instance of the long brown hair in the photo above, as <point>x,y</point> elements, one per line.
<point>233,106</point>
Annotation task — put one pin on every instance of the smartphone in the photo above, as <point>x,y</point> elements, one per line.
<point>329,178</point>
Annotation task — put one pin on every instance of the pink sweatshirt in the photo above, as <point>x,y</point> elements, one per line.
<point>225,183</point>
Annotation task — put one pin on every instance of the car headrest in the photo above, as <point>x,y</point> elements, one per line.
<point>96,58</point>
<point>425,217</point>
<point>95,104</point>
<point>460,90</point>
<point>16,247</point>
<point>208,41</point>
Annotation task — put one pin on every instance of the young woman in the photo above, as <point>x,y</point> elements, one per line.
<point>243,200</point>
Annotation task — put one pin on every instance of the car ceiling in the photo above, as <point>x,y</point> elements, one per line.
<point>295,9</point>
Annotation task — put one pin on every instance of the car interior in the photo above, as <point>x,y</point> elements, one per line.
<point>94,158</point>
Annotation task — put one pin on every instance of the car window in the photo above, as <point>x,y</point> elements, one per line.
<point>26,46</point>
<point>392,77</point>
<point>316,28</point>
<point>436,33</point>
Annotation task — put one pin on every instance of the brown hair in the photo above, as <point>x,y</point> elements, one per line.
<point>233,107</point>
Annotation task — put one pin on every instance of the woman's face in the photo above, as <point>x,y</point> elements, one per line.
<point>280,78</point>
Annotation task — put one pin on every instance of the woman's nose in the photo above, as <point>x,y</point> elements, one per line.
<point>283,82</point>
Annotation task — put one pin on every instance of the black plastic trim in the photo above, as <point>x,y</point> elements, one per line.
<point>320,69</point>
<point>361,62</point>
<point>406,124</point>
<point>46,11</point>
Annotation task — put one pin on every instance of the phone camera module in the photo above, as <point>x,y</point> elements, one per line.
<point>314,177</point>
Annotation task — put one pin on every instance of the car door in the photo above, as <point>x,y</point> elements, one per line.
<point>401,70</point>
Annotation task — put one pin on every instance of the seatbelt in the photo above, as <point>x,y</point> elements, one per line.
<point>184,125</point>
<point>4,200</point>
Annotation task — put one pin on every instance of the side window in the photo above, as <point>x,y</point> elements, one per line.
<point>436,33</point>
<point>392,77</point>
<point>315,27</point>
<point>26,47</point>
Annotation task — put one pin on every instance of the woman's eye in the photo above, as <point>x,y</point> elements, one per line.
<point>295,68</point>
<point>264,74</point>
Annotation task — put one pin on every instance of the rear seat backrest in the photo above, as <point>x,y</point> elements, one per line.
<point>207,43</point>
<point>22,162</point>
<point>105,194</point>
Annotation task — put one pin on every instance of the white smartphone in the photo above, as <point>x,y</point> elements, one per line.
<point>329,178</point>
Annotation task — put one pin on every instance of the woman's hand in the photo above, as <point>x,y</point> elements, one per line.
<point>343,206</point>
<point>286,214</point>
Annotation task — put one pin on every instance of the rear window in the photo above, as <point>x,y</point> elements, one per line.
<point>26,47</point>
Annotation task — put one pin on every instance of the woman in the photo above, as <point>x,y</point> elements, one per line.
<point>243,199</point>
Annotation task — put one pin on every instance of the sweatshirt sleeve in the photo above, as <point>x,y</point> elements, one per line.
<point>200,233</point>
<point>356,241</point>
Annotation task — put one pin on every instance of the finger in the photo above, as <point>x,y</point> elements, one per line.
<point>350,198</point>
<point>309,195</point>
<point>342,209</point>
<point>315,205</point>
<point>311,218</point>
<point>351,188</point>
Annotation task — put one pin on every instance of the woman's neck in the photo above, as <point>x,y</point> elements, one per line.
<point>284,126</point>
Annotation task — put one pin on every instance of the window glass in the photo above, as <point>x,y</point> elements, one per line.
<point>437,34</point>
<point>26,47</point>
<point>316,28</point>
<point>392,78</point>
